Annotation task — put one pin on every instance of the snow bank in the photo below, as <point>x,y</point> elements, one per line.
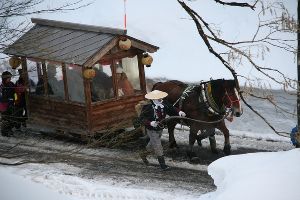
<point>15,187</point>
<point>258,176</point>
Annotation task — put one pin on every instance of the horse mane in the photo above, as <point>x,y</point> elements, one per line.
<point>155,85</point>
<point>222,82</point>
<point>179,83</point>
<point>176,82</point>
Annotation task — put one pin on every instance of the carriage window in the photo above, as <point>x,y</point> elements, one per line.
<point>75,83</point>
<point>102,83</point>
<point>127,75</point>
<point>34,74</point>
<point>55,81</point>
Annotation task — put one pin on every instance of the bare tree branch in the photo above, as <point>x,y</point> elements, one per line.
<point>198,20</point>
<point>237,4</point>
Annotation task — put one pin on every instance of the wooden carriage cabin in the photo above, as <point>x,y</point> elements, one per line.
<point>75,73</point>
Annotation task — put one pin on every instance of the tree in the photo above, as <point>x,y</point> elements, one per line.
<point>274,23</point>
<point>13,24</point>
<point>13,13</point>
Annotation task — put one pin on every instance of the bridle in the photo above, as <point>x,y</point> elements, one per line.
<point>229,98</point>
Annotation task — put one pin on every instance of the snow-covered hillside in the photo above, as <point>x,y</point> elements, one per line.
<point>282,121</point>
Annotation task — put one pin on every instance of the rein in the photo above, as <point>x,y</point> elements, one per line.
<point>191,119</point>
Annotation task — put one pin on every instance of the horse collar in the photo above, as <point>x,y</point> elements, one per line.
<point>207,98</point>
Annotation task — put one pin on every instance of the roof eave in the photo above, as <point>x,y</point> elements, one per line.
<point>77,26</point>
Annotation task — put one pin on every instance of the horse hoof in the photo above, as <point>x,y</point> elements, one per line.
<point>227,149</point>
<point>191,155</point>
<point>173,145</point>
<point>214,151</point>
<point>199,143</point>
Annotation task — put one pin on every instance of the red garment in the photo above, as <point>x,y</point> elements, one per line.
<point>125,86</point>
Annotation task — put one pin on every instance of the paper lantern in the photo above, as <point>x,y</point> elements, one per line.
<point>147,60</point>
<point>14,62</point>
<point>89,73</point>
<point>125,44</point>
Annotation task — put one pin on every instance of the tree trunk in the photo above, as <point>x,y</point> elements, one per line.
<point>298,88</point>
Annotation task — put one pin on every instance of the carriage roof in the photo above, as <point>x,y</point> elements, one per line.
<point>70,42</point>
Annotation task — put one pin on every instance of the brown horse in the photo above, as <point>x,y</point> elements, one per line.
<point>207,104</point>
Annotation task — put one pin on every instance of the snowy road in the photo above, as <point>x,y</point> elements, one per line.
<point>123,168</point>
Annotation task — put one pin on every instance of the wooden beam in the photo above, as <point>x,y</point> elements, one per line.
<point>26,82</point>
<point>76,26</point>
<point>142,73</point>
<point>143,45</point>
<point>115,81</point>
<point>45,78</point>
<point>88,101</point>
<point>64,71</point>
<point>97,56</point>
<point>38,68</point>
<point>121,54</point>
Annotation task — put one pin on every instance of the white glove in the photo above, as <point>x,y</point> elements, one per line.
<point>181,114</point>
<point>154,124</point>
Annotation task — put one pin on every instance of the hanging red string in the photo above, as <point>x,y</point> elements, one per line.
<point>125,20</point>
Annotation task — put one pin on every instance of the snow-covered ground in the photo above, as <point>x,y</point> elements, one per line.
<point>267,175</point>
<point>260,176</point>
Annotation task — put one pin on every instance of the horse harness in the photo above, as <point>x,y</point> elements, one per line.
<point>205,98</point>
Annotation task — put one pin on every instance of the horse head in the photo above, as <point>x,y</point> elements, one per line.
<point>228,95</point>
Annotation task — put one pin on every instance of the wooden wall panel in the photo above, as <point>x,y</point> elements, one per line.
<point>59,114</point>
<point>115,113</point>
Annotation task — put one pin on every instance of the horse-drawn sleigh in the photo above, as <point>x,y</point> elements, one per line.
<point>72,75</point>
<point>81,79</point>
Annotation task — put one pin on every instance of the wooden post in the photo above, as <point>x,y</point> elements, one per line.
<point>64,71</point>
<point>114,76</point>
<point>88,101</point>
<point>45,78</point>
<point>142,73</point>
<point>26,83</point>
<point>38,68</point>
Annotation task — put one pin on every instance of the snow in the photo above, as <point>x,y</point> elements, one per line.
<point>259,176</point>
<point>13,186</point>
<point>256,176</point>
<point>35,183</point>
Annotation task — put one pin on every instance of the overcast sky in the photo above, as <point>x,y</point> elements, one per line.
<point>182,54</point>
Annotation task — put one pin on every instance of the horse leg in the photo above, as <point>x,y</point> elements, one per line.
<point>225,131</point>
<point>213,144</point>
<point>199,138</point>
<point>212,140</point>
<point>172,141</point>
<point>192,138</point>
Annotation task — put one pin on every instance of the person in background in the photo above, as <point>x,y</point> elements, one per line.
<point>56,84</point>
<point>101,86</point>
<point>293,136</point>
<point>7,115</point>
<point>20,101</point>
<point>124,86</point>
<point>151,116</point>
